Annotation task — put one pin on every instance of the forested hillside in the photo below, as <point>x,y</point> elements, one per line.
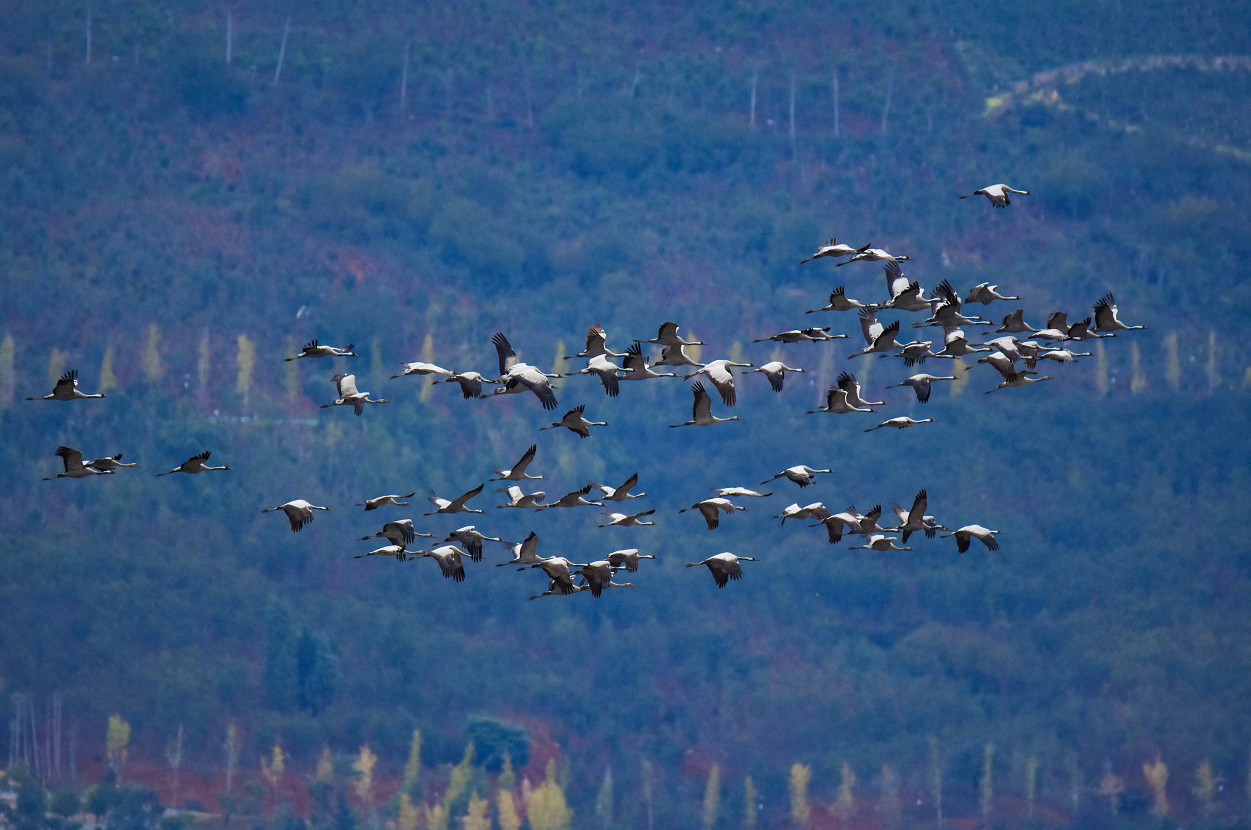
<point>192,190</point>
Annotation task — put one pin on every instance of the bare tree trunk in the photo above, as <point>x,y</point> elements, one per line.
<point>634,84</point>
<point>282,49</point>
<point>890,89</point>
<point>792,116</point>
<point>57,722</point>
<point>404,78</point>
<point>230,34</point>
<point>836,103</point>
<point>73,753</point>
<point>48,61</point>
<point>15,726</point>
<point>755,81</point>
<point>34,735</point>
<point>90,9</point>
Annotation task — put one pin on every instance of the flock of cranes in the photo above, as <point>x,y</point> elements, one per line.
<point>1015,359</point>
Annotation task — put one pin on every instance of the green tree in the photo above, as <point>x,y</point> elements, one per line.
<point>801,774</point>
<point>279,675</point>
<point>317,669</point>
<point>494,739</point>
<point>32,800</point>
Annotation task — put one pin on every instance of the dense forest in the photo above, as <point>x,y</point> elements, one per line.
<point>192,190</point>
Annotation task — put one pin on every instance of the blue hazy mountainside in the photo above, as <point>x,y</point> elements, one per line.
<point>413,180</point>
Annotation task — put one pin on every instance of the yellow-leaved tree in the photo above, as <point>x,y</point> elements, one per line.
<point>845,802</point>
<point>245,359</point>
<point>364,765</point>
<point>427,355</point>
<point>8,370</point>
<point>1156,774</point>
<point>117,745</point>
<point>801,774</point>
<point>1111,786</point>
<point>150,358</point>
<point>436,817</point>
<point>272,768</point>
<point>325,766</point>
<point>751,818</point>
<point>506,810</point>
<point>108,378</point>
<point>458,781</point>
<point>712,798</point>
<point>547,808</point>
<point>476,817</point>
<point>56,365</point>
<point>1206,784</point>
<point>203,369</point>
<point>412,767</point>
<point>406,817</point>
<point>936,778</point>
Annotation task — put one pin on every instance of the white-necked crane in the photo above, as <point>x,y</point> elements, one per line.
<point>596,344</point>
<point>456,505</point>
<point>597,575</point>
<point>314,349</point>
<point>879,542</point>
<point>1011,380</point>
<point>701,413</point>
<point>518,470</point>
<point>109,463</point>
<point>449,559</point>
<point>721,373</point>
<point>965,535</point>
<point>299,513</point>
<point>422,368</point>
<point>801,474</point>
<point>575,422</point>
<point>606,371</point>
<point>816,510</point>
<point>901,423</point>
<point>732,492</point>
<point>559,571</point>
<point>998,194</point>
<point>629,519</point>
<point>72,460</point>
<point>575,499</point>
<point>379,501</point>
<point>471,539</point>
<point>835,248</point>
<point>1106,316</point>
<point>470,383</point>
<point>711,510</point>
<point>397,551</point>
<point>349,395</point>
<point>517,376</point>
<point>873,255</point>
<point>524,552</point>
<point>985,294</point>
<point>399,532</point>
<point>921,385</point>
<point>947,314</point>
<point>66,389</point>
<point>520,499</point>
<point>724,566</point>
<point>839,301</point>
<point>847,382</point>
<point>880,338</point>
<point>668,336</point>
<point>628,559</point>
<point>195,464</point>
<point>635,365</point>
<point>676,355</point>
<point>620,493</point>
<point>809,335</point>
<point>836,402</point>
<point>1014,323</point>
<point>914,520</point>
